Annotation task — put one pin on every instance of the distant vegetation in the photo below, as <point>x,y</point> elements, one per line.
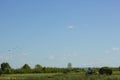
<point>105,70</point>
<point>6,69</point>
<point>52,73</point>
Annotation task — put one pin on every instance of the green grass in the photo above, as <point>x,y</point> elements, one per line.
<point>59,76</point>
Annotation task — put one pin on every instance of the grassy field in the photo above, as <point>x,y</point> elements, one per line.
<point>59,76</point>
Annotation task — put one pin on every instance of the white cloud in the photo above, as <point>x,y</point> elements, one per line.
<point>112,50</point>
<point>51,57</point>
<point>4,58</point>
<point>62,57</point>
<point>115,49</point>
<point>71,55</point>
<point>24,54</point>
<point>71,27</point>
<point>13,56</point>
<point>107,51</point>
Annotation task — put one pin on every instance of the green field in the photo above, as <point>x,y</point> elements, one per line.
<point>59,76</point>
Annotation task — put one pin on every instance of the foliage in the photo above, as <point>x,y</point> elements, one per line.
<point>37,69</point>
<point>6,69</point>
<point>26,66</point>
<point>91,71</point>
<point>105,70</point>
<point>4,66</point>
<point>26,69</point>
<point>38,66</point>
<point>119,68</point>
<point>0,72</point>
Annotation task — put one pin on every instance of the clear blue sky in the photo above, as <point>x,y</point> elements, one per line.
<point>55,32</point>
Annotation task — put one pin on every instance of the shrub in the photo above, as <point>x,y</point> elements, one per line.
<point>90,71</point>
<point>105,70</point>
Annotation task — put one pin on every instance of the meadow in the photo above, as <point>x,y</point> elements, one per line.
<point>60,76</point>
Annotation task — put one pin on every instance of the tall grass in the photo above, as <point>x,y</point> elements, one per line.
<point>59,76</point>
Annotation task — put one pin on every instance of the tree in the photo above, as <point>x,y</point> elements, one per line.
<point>26,69</point>
<point>91,71</point>
<point>5,68</point>
<point>105,70</point>
<point>119,68</point>
<point>69,67</point>
<point>38,68</point>
<point>26,66</point>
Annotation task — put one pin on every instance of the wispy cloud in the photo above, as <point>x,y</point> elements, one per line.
<point>71,27</point>
<point>4,58</point>
<point>62,57</point>
<point>113,50</point>
<point>51,57</point>
<point>11,55</point>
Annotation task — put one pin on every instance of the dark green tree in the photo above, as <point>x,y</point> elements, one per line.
<point>26,66</point>
<point>105,70</point>
<point>5,68</point>
<point>26,69</point>
<point>119,68</point>
<point>38,68</point>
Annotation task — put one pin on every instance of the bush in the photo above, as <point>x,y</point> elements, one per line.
<point>91,71</point>
<point>105,70</point>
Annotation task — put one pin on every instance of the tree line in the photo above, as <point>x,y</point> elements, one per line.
<point>7,69</point>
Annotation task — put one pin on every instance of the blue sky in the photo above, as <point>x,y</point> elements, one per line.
<point>56,32</point>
